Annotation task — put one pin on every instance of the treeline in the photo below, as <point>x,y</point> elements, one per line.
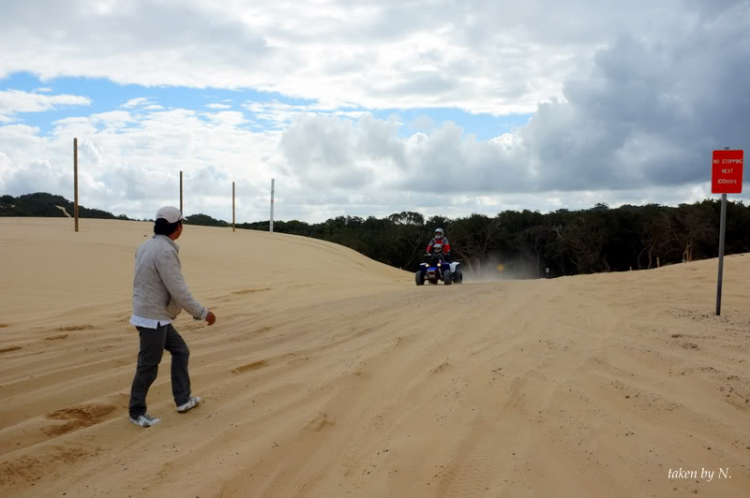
<point>526,243</point>
<point>205,220</point>
<point>42,204</point>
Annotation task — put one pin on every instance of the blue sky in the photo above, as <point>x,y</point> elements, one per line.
<point>107,96</point>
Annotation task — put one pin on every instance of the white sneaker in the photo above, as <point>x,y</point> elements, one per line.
<point>192,403</point>
<point>145,420</point>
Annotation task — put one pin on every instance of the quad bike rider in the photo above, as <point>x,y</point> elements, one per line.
<point>440,240</point>
<point>439,266</point>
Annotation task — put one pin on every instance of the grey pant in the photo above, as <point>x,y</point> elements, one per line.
<point>153,344</point>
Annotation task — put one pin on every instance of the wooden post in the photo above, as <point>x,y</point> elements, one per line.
<point>181,193</point>
<point>233,219</point>
<point>75,180</point>
<point>270,229</point>
<point>658,263</point>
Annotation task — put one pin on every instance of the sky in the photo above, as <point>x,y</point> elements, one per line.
<point>368,108</point>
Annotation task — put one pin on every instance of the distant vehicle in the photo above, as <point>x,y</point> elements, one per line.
<point>438,269</point>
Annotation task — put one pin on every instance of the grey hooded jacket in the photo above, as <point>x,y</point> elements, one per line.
<point>159,289</point>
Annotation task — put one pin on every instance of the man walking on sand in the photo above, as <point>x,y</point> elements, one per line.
<point>159,295</point>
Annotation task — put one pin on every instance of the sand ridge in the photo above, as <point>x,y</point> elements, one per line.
<point>329,374</point>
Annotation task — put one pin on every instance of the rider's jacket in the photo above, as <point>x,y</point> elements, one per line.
<point>440,240</point>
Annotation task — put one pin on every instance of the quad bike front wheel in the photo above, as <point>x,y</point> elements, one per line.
<point>447,277</point>
<point>458,277</point>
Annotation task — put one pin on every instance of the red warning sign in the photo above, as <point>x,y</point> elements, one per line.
<point>726,172</point>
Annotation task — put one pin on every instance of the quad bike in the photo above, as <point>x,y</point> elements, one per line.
<point>438,269</point>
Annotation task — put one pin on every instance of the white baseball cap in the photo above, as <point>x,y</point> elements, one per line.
<point>169,213</point>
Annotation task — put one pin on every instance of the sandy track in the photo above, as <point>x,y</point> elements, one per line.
<point>332,375</point>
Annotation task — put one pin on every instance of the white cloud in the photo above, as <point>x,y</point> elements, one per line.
<point>137,102</point>
<point>219,106</point>
<point>422,123</point>
<point>129,163</point>
<point>480,55</point>
<point>113,116</point>
<point>280,115</point>
<point>5,164</point>
<point>15,101</point>
<point>227,118</point>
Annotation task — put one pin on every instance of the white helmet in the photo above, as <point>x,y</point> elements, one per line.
<point>439,231</point>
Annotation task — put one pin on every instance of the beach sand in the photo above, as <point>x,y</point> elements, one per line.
<point>328,374</point>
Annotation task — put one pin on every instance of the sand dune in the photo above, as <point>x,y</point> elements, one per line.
<point>328,374</point>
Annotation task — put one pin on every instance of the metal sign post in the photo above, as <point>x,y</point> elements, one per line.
<point>722,231</point>
<point>726,178</point>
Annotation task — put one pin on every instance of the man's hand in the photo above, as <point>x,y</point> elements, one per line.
<point>210,318</point>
